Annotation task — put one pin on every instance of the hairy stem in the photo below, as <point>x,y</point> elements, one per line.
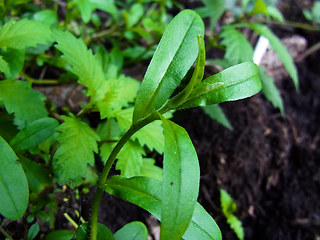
<point>106,169</point>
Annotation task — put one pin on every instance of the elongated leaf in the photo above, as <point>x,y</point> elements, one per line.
<point>180,181</point>
<point>77,144</point>
<point>238,49</point>
<point>175,54</point>
<point>270,90</point>
<point>26,103</point>
<point>216,113</point>
<point>104,233</point>
<point>60,235</point>
<point>14,192</point>
<point>34,134</point>
<point>240,81</point>
<point>280,49</point>
<point>24,33</point>
<point>132,231</point>
<point>84,64</point>
<point>146,193</point>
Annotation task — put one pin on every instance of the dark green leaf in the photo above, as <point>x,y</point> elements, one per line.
<point>4,66</point>
<point>33,231</point>
<point>15,59</point>
<point>146,193</point>
<point>180,181</point>
<point>132,231</point>
<point>270,90</point>
<point>14,193</point>
<point>240,81</point>
<point>216,113</point>
<point>104,233</point>
<point>60,235</point>
<point>175,54</point>
<point>279,48</point>
<point>34,134</point>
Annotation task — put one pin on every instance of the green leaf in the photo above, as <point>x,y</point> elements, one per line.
<point>105,5</point>
<point>60,235</point>
<point>48,17</point>
<point>24,33</point>
<point>275,13</point>
<point>259,8</point>
<point>33,231</point>
<point>213,9</point>
<point>228,208</point>
<point>132,231</point>
<point>270,90</point>
<point>174,56</point>
<point>7,129</point>
<point>216,113</point>
<point>26,103</point>
<point>78,142</point>
<point>14,193</point>
<point>149,169</point>
<point>130,159</point>
<point>279,48</point>
<point>84,64</point>
<point>104,233</point>
<point>34,134</point>
<point>135,14</point>
<point>85,9</point>
<point>38,177</point>
<point>15,59</point>
<point>240,81</point>
<point>238,49</point>
<point>180,181</point>
<point>146,193</point>
<point>4,66</point>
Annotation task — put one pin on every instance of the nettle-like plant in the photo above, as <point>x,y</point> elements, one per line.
<point>68,147</point>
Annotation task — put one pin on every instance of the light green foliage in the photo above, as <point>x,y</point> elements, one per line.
<point>132,231</point>
<point>180,183</point>
<point>104,233</point>
<point>84,64</point>
<point>212,9</point>
<point>15,59</point>
<point>34,134</point>
<point>279,48</point>
<point>239,81</point>
<point>33,231</point>
<point>149,169</point>
<point>270,90</point>
<point>314,15</point>
<point>216,113</point>
<point>238,49</point>
<point>60,235</point>
<point>14,193</point>
<point>24,33</point>
<point>228,208</point>
<point>4,67</point>
<point>134,15</point>
<point>47,16</point>
<point>20,99</point>
<point>146,193</point>
<point>175,54</point>
<point>130,159</point>
<point>78,142</point>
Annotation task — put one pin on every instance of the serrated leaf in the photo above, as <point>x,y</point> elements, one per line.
<point>132,231</point>
<point>130,159</point>
<point>216,113</point>
<point>14,192</point>
<point>146,193</point>
<point>24,33</point>
<point>104,233</point>
<point>270,90</point>
<point>149,169</point>
<point>84,64</point>
<point>38,176</point>
<point>60,235</point>
<point>34,134</point>
<point>275,13</point>
<point>15,59</point>
<point>213,9</point>
<point>180,181</point>
<point>78,142</point>
<point>174,56</point>
<point>279,48</point>
<point>26,103</point>
<point>238,49</point>
<point>228,208</point>
<point>240,81</point>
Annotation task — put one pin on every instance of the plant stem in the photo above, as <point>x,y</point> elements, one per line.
<point>38,81</point>
<point>3,231</point>
<point>309,51</point>
<point>73,223</point>
<point>292,24</point>
<point>106,169</point>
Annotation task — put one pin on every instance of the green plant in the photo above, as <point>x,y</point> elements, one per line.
<point>314,15</point>
<point>64,145</point>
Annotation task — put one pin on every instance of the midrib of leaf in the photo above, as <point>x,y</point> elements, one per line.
<point>201,229</point>
<point>166,72</point>
<point>30,135</point>
<point>7,190</point>
<point>238,82</point>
